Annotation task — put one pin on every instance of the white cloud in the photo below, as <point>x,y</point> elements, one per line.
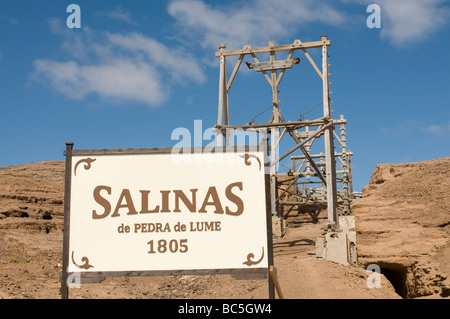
<point>399,129</point>
<point>408,127</point>
<point>75,44</point>
<point>250,22</point>
<point>180,64</point>
<point>437,129</point>
<point>12,21</point>
<point>128,67</point>
<point>409,21</point>
<point>412,20</point>
<point>118,14</point>
<point>118,80</point>
<point>256,21</point>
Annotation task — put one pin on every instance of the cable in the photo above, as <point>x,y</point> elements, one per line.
<point>303,114</point>
<point>252,118</point>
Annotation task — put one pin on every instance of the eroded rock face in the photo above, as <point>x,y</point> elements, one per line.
<point>32,196</point>
<point>403,223</point>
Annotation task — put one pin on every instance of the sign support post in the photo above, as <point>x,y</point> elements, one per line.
<point>65,261</point>
<point>269,232</point>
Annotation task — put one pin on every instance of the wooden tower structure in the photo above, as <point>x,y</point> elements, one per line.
<point>303,132</point>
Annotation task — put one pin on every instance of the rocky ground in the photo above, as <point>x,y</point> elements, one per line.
<point>402,226</point>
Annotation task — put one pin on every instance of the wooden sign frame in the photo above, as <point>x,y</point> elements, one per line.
<point>265,271</point>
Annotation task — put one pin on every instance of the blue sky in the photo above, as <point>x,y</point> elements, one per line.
<point>137,70</point>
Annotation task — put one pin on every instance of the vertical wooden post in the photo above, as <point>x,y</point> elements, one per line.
<point>269,233</point>
<point>350,175</point>
<point>308,149</point>
<point>330,163</point>
<point>226,111</point>
<point>274,132</point>
<point>345,175</point>
<point>294,169</point>
<point>222,95</point>
<point>67,183</point>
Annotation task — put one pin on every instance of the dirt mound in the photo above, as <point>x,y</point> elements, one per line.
<point>394,231</point>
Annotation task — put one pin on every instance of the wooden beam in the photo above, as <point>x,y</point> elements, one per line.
<point>306,153</point>
<point>226,107</point>
<point>275,48</point>
<point>275,65</point>
<point>275,281</point>
<point>310,60</point>
<point>323,128</point>
<point>264,72</point>
<point>296,157</point>
<point>293,125</point>
<point>313,164</point>
<point>332,210</point>
<point>222,94</point>
<point>236,68</point>
<point>274,133</point>
<point>280,76</point>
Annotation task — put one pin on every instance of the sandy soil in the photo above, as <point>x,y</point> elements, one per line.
<point>394,230</point>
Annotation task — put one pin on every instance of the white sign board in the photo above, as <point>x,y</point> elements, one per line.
<point>156,211</point>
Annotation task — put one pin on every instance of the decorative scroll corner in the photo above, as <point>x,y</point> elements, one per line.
<point>247,161</point>
<point>250,262</point>
<point>87,166</point>
<point>85,260</point>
